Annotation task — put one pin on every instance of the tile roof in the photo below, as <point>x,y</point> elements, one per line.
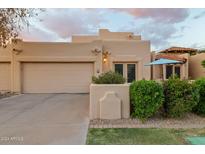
<point>179,49</point>
<point>171,57</point>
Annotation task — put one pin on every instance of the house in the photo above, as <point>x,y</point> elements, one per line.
<point>171,64</point>
<point>187,65</point>
<point>63,67</point>
<point>179,50</point>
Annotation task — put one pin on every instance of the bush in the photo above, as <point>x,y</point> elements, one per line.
<point>146,98</point>
<point>180,97</point>
<point>200,108</point>
<point>203,63</point>
<point>109,78</point>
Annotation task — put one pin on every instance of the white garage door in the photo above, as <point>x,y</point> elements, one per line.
<point>5,76</point>
<point>56,77</point>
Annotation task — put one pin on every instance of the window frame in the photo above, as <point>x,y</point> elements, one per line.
<point>125,71</point>
<point>122,68</point>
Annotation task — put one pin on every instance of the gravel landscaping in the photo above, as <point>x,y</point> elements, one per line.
<point>189,121</point>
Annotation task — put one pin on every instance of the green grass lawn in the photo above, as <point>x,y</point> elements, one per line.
<point>141,136</point>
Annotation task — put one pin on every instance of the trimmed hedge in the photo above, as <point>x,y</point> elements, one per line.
<point>146,98</point>
<point>109,78</point>
<point>200,108</point>
<point>180,97</point>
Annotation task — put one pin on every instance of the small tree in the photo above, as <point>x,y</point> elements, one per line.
<point>12,20</point>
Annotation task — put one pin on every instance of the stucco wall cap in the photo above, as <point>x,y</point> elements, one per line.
<point>107,85</point>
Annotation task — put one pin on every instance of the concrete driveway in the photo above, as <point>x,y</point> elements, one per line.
<point>44,119</point>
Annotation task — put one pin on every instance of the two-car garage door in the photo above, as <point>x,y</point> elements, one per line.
<point>56,77</point>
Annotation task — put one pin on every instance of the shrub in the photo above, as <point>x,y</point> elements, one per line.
<point>200,108</point>
<point>180,97</point>
<point>146,98</point>
<point>109,78</point>
<point>203,63</point>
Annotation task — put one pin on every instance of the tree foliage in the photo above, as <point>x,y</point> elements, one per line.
<point>200,108</point>
<point>12,20</point>
<point>180,97</point>
<point>203,63</point>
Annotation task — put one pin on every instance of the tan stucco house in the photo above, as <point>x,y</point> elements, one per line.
<point>48,67</point>
<point>188,66</point>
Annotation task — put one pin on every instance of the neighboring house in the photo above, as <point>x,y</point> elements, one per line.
<point>180,66</point>
<point>188,66</point>
<point>195,68</point>
<point>48,67</point>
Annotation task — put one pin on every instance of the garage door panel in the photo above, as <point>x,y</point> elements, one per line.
<point>57,77</point>
<point>5,76</point>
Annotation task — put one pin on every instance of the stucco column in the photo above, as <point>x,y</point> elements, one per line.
<point>173,70</point>
<point>164,71</point>
<point>98,66</point>
<point>97,45</point>
<point>15,75</point>
<point>15,66</point>
<point>183,70</point>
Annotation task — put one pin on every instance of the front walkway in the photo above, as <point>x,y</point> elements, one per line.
<point>44,119</point>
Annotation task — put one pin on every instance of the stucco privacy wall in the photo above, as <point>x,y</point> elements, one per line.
<point>132,50</point>
<point>98,94</point>
<point>195,68</point>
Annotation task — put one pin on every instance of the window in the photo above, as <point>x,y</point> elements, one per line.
<point>177,71</point>
<point>119,68</point>
<point>127,70</point>
<point>130,72</point>
<point>169,71</point>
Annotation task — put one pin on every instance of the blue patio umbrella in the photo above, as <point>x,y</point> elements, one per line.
<point>163,61</point>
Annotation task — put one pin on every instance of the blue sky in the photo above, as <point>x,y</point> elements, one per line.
<point>163,27</point>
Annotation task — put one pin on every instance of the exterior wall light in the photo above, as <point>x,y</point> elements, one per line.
<point>105,59</point>
<point>105,56</point>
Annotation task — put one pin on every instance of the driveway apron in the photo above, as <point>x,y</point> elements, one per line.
<point>44,119</point>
